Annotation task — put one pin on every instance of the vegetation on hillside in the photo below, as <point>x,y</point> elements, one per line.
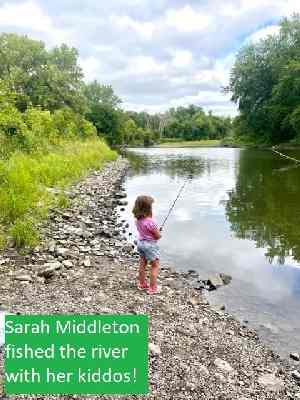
<point>265,83</point>
<point>46,140</point>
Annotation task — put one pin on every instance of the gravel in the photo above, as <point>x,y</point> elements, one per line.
<point>84,265</point>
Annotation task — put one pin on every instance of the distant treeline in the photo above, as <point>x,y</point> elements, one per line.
<point>44,96</point>
<point>183,123</point>
<point>265,83</point>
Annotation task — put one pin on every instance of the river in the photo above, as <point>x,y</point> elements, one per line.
<point>239,214</point>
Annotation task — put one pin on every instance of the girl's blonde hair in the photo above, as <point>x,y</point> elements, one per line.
<point>143,207</point>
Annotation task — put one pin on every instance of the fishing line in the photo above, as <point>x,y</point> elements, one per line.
<point>175,201</point>
<point>284,155</point>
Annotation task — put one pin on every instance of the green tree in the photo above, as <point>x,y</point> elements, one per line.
<point>265,83</point>
<point>49,79</point>
<point>97,94</point>
<point>129,132</point>
<point>103,112</point>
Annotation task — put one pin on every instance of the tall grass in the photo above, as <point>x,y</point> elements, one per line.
<point>25,178</point>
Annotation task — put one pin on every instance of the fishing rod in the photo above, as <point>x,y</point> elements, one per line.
<point>284,155</point>
<point>175,201</point>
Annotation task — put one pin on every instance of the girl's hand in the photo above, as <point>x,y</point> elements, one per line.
<point>157,234</point>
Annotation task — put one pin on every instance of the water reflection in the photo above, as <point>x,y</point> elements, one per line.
<point>239,207</point>
<point>173,166</point>
<point>264,205</point>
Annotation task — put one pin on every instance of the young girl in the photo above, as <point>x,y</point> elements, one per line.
<point>147,246</point>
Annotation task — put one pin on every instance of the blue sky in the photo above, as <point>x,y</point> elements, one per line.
<point>155,53</point>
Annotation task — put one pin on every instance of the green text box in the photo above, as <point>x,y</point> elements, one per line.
<point>76,354</point>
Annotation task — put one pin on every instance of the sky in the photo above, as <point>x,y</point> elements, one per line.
<point>156,54</point>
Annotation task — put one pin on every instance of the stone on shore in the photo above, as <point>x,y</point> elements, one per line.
<point>68,264</point>
<point>49,269</point>
<point>296,375</point>
<point>271,382</point>
<point>23,278</point>
<point>223,366</point>
<point>87,262</point>
<point>295,356</point>
<point>154,349</point>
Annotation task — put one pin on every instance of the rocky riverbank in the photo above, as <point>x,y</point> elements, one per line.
<point>85,265</point>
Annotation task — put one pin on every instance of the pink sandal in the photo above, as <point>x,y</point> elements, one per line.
<point>152,290</point>
<point>143,286</point>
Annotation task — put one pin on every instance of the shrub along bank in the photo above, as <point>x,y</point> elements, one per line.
<point>39,150</point>
<point>25,179</point>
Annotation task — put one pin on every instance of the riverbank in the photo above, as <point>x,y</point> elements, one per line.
<point>195,143</point>
<point>84,265</point>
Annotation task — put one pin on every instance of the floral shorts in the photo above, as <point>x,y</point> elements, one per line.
<point>148,249</point>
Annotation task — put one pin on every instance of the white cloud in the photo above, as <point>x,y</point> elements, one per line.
<point>29,16</point>
<point>186,19</point>
<point>154,53</point>
<point>289,7</point>
<point>182,58</point>
<point>91,67</point>
<point>209,100</point>
<point>216,102</point>
<point>142,65</point>
<point>144,29</point>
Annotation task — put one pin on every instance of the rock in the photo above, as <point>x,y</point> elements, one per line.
<point>49,268</point>
<point>226,278</point>
<point>295,356</point>
<point>122,203</point>
<point>86,234</point>
<point>66,215</point>
<point>194,301</point>
<point>120,195</point>
<point>296,375</point>
<point>60,251</point>
<point>215,281</point>
<point>220,377</point>
<point>230,332</point>
<point>271,382</point>
<point>223,365</point>
<point>51,248</point>
<point>203,370</point>
<point>154,349</point>
<point>87,262</point>
<point>68,264</point>
<point>128,248</point>
<point>23,278</point>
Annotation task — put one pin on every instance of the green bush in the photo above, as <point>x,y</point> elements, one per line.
<point>24,232</point>
<point>41,130</point>
<point>25,179</point>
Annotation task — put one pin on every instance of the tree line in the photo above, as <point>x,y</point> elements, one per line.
<point>265,84</point>
<point>43,94</point>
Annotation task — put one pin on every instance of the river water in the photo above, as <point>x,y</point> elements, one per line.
<point>240,215</point>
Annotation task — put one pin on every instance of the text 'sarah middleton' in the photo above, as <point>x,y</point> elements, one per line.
<point>71,326</point>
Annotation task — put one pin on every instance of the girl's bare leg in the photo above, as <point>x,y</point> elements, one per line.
<point>142,270</point>
<point>154,273</point>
